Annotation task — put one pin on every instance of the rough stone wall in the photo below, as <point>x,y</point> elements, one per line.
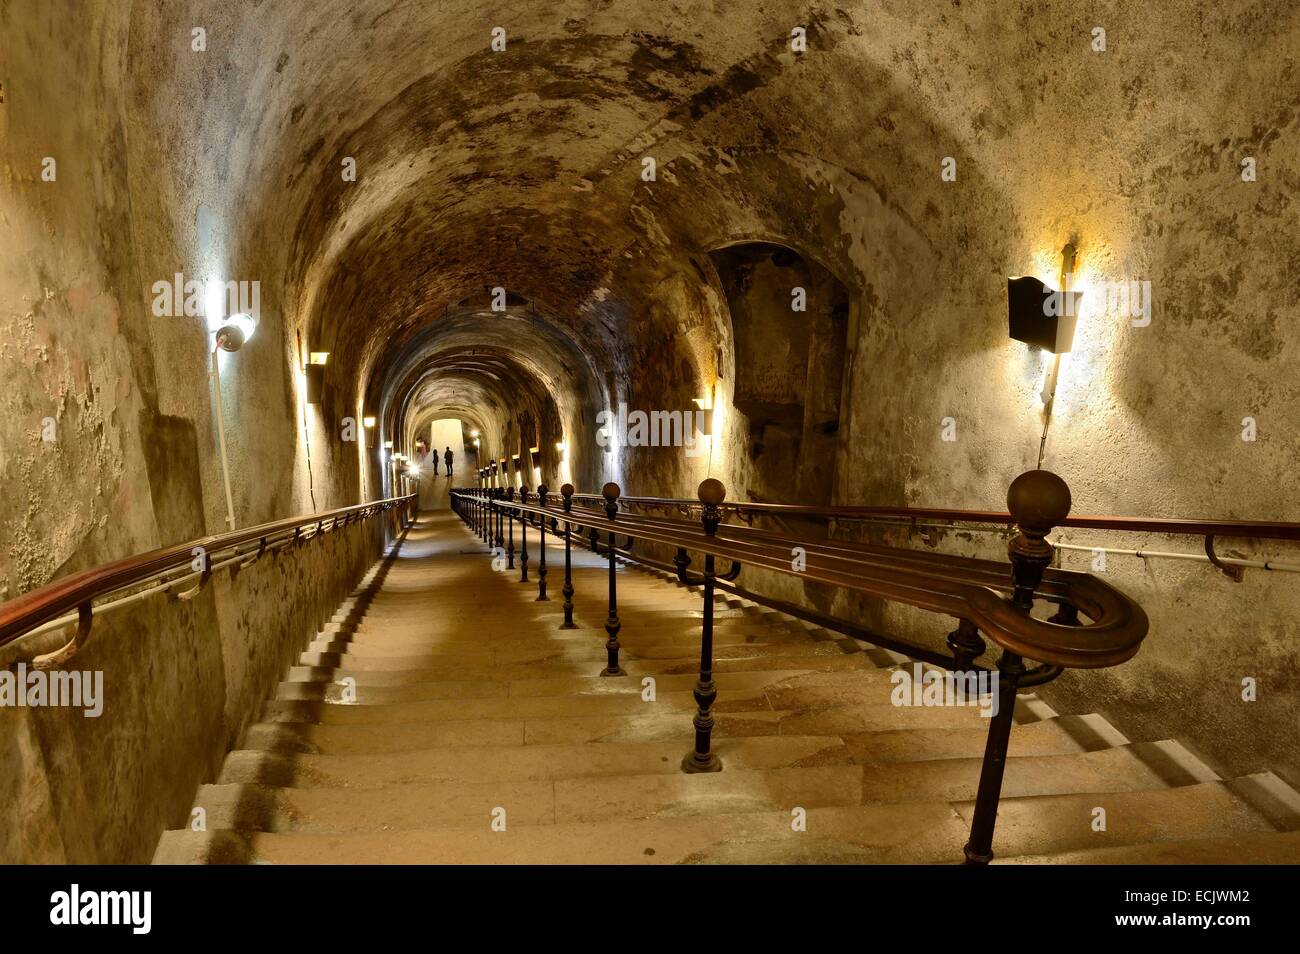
<point>131,462</point>
<point>75,380</point>
<point>182,681</point>
<point>1135,154</point>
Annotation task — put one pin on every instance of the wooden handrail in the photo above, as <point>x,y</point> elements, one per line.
<point>1260,529</point>
<point>28,611</point>
<point>1095,624</point>
<point>961,587</point>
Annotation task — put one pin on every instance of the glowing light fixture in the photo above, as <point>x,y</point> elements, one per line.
<point>231,336</point>
<point>316,362</point>
<point>706,420</point>
<point>236,331</point>
<point>368,422</point>
<point>1041,317</point>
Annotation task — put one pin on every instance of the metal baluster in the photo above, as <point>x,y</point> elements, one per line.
<point>541,547</point>
<point>567,493</point>
<point>1038,500</point>
<point>496,495</point>
<point>611,494</point>
<point>966,645</point>
<point>510,518</point>
<point>702,758</point>
<point>523,537</point>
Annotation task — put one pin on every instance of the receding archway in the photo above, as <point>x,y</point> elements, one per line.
<point>790,319</point>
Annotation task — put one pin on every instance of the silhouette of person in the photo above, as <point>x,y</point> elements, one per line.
<point>446,456</point>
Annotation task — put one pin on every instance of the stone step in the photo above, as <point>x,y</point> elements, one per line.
<point>795,688</point>
<point>912,832</point>
<point>1133,766</point>
<point>633,649</point>
<point>560,801</point>
<point>408,642</point>
<point>924,833</point>
<point>1060,735</point>
<point>576,659</point>
<point>1270,848</point>
<point>860,703</point>
<point>1052,824</point>
<point>541,630</point>
<point>647,722</point>
<point>680,666</point>
<point>333,744</point>
<point>462,804</point>
<point>380,770</point>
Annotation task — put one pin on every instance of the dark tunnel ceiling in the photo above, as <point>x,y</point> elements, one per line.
<point>519,169</point>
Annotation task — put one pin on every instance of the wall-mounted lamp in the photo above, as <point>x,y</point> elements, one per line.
<point>368,422</point>
<point>238,328</point>
<point>705,419</point>
<point>1041,317</point>
<point>231,336</point>
<point>388,445</point>
<point>559,446</point>
<point>316,375</point>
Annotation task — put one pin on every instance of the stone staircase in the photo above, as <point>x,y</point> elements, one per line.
<point>443,703</point>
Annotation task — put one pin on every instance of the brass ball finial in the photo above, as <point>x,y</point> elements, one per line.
<point>1038,500</point>
<point>712,492</point>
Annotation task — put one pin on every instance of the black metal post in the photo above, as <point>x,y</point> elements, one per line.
<point>523,536</point>
<point>496,495</point>
<point>611,494</point>
<point>510,518</point>
<point>541,547</point>
<point>966,645</point>
<point>567,493</point>
<point>702,758</point>
<point>1038,500</point>
<point>979,848</point>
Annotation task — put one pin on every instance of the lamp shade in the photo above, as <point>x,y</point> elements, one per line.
<point>315,382</point>
<point>1039,316</point>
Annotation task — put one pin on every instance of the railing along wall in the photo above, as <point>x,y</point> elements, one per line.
<point>72,600</point>
<point>1094,624</point>
<point>922,519</point>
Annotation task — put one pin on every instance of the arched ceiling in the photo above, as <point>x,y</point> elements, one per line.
<point>475,168</point>
<point>525,169</point>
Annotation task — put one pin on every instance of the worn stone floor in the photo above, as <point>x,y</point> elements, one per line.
<point>443,717</point>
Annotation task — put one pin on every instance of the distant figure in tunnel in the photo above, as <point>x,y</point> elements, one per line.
<point>446,456</point>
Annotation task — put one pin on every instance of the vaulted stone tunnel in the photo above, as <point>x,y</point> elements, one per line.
<point>791,223</point>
